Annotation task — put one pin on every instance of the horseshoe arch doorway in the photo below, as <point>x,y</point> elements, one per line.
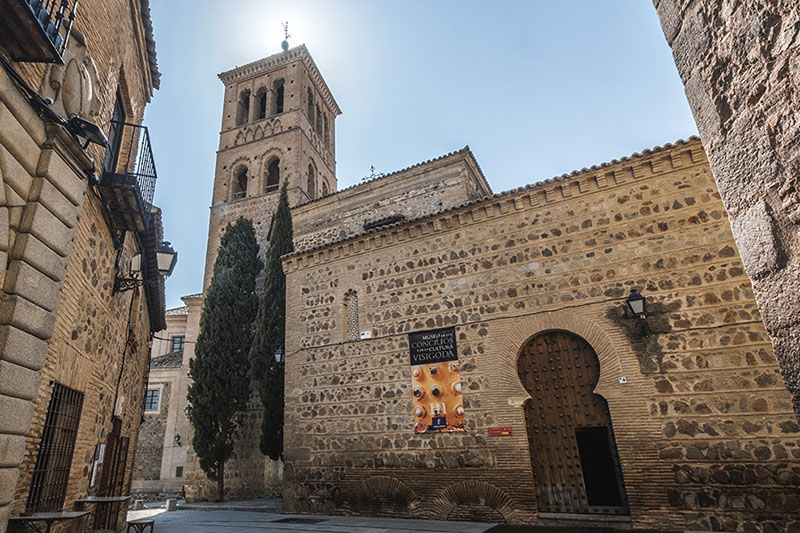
<point>574,455</point>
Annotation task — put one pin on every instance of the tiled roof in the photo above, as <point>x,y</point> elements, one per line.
<point>178,311</point>
<point>170,360</point>
<point>593,168</point>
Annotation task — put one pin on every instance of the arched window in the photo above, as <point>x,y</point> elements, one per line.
<point>261,101</point>
<point>273,174</point>
<point>351,326</point>
<point>277,101</point>
<point>312,182</point>
<point>243,107</point>
<point>325,189</point>
<point>239,189</point>
<point>319,121</point>
<point>310,105</point>
<point>326,131</point>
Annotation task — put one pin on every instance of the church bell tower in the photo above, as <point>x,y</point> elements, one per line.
<point>278,121</point>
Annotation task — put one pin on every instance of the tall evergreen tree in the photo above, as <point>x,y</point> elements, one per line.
<point>270,331</point>
<point>220,369</point>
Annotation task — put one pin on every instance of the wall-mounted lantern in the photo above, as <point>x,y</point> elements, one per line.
<point>166,259</point>
<point>187,411</point>
<point>279,355</point>
<point>637,303</point>
<point>178,439</point>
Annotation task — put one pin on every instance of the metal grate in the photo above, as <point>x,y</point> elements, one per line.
<point>51,472</point>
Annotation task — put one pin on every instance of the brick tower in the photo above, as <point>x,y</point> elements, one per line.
<point>277,125</point>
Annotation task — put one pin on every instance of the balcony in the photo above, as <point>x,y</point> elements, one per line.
<point>128,181</point>
<point>36,30</point>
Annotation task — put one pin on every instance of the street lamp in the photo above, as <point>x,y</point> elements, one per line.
<point>166,259</point>
<point>637,303</point>
<point>187,411</point>
<point>278,355</point>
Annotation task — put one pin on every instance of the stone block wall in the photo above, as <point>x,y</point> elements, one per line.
<point>703,426</point>
<point>151,439</point>
<point>740,66</point>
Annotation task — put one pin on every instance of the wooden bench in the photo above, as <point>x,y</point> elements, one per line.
<point>139,525</point>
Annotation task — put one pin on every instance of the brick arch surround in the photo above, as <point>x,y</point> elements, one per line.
<point>471,492</point>
<point>378,491</point>
<point>634,428</point>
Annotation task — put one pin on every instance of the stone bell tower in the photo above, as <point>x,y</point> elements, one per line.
<point>277,125</point>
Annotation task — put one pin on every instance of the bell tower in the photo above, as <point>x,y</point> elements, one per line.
<point>278,125</point>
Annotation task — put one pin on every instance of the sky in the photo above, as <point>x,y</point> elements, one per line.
<point>535,88</point>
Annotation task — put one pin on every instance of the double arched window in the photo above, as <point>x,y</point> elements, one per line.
<point>239,185</point>
<point>312,181</point>
<point>277,98</point>
<point>273,177</point>
<point>243,107</point>
<point>261,103</point>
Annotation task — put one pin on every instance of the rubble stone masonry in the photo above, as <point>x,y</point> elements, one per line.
<point>704,427</point>
<point>740,65</point>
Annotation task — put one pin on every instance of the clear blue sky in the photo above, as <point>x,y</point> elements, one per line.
<point>535,88</point>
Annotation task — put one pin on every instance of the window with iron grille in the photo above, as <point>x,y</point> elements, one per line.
<point>151,400</point>
<point>51,472</point>
<point>178,471</point>
<point>177,344</point>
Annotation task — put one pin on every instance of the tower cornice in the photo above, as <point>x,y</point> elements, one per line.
<point>269,63</point>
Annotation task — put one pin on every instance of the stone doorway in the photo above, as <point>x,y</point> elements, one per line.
<point>573,451</point>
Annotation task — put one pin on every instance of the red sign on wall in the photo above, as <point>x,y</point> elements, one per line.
<point>496,432</point>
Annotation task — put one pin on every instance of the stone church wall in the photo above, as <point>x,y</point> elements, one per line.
<point>740,66</point>
<point>703,424</point>
<point>151,440</point>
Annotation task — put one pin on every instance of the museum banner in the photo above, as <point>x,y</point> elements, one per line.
<point>436,381</point>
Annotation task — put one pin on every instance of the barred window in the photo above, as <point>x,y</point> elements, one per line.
<point>151,400</point>
<point>51,471</point>
<point>351,322</point>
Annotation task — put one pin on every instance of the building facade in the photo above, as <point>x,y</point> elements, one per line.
<point>74,342</point>
<point>542,397</point>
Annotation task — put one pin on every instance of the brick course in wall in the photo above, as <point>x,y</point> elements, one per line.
<point>703,425</point>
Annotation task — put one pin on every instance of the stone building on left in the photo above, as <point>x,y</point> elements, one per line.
<point>82,257</point>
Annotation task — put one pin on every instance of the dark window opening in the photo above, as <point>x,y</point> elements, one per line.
<point>151,400</point>
<point>273,175</point>
<point>597,464</point>
<point>178,343</point>
<point>243,107</point>
<point>114,136</point>
<point>325,189</point>
<point>319,121</point>
<point>240,185</point>
<point>312,182</point>
<point>178,471</point>
<point>51,472</point>
<point>310,106</point>
<point>326,131</point>
<point>261,99</point>
<point>277,106</point>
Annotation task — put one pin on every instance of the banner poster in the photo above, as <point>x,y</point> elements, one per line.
<point>436,381</point>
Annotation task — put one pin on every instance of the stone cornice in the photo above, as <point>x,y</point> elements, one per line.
<point>267,64</point>
<point>637,166</point>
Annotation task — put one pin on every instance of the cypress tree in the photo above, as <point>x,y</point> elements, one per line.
<point>270,331</point>
<point>220,369</point>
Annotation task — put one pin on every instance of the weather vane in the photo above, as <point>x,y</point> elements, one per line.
<point>285,43</point>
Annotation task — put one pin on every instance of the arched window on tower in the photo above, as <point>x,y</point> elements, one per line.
<point>273,175</point>
<point>310,105</point>
<point>351,326</point>
<point>327,132</point>
<point>325,188</point>
<point>243,107</point>
<point>319,120</point>
<point>261,102</point>
<point>277,101</point>
<point>312,182</point>
<point>239,189</point>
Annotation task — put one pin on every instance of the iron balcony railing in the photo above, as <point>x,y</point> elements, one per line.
<point>129,173</point>
<point>36,30</point>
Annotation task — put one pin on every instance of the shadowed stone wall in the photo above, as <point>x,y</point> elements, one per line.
<point>740,64</point>
<point>704,427</point>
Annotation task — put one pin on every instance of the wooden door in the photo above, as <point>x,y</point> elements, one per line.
<point>112,481</point>
<point>573,453</point>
